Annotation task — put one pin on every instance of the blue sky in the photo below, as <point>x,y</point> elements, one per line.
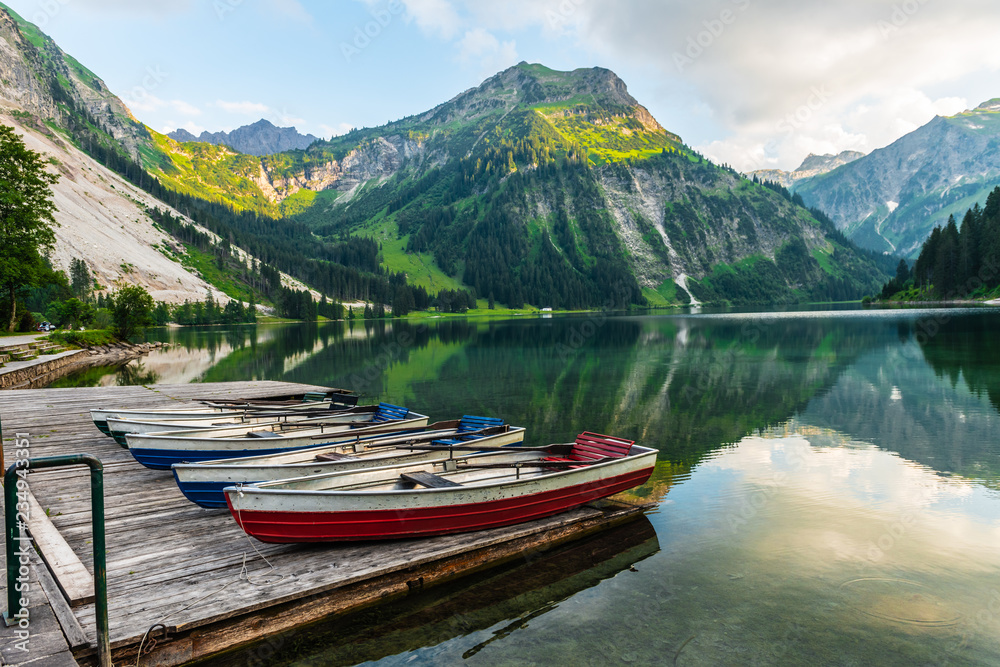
<point>755,83</point>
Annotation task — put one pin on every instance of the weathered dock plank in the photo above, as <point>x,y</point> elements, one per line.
<point>73,579</point>
<point>46,641</point>
<point>191,573</point>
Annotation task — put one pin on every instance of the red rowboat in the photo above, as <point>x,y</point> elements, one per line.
<point>507,486</point>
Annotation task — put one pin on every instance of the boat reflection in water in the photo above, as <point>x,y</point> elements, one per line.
<point>483,608</point>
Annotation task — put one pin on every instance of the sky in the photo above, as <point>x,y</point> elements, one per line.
<point>756,84</point>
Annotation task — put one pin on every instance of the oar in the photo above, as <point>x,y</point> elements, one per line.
<point>551,449</point>
<point>390,426</point>
<point>354,410</point>
<point>489,430</point>
<point>533,463</point>
<point>408,438</point>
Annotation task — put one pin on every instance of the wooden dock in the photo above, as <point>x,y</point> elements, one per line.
<point>186,582</point>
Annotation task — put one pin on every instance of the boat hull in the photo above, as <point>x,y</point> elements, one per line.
<point>159,452</point>
<point>100,415</point>
<point>205,484</point>
<point>276,516</point>
<point>118,428</point>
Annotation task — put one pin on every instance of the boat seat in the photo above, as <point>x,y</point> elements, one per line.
<point>263,434</point>
<point>467,430</point>
<point>474,423</point>
<point>312,396</point>
<point>428,479</point>
<point>590,447</point>
<point>388,412</point>
<point>334,456</point>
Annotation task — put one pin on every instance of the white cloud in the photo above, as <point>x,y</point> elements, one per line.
<point>488,53</point>
<point>245,107</point>
<point>284,119</point>
<point>335,130</point>
<point>142,100</point>
<point>183,107</point>
<point>434,16</point>
<point>754,65</point>
<point>161,7</point>
<point>169,126</point>
<point>759,65</point>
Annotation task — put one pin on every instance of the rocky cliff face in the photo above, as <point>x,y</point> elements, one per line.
<point>41,80</point>
<point>891,199</point>
<point>378,158</point>
<point>698,225</point>
<point>260,138</point>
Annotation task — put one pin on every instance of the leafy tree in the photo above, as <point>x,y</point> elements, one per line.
<point>161,314</point>
<point>131,311</point>
<point>26,218</point>
<point>102,318</point>
<point>75,313</point>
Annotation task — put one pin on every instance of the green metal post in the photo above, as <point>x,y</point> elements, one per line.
<point>13,534</point>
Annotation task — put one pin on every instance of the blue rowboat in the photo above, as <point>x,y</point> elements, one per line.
<point>335,399</point>
<point>119,427</point>
<point>161,450</point>
<point>203,483</point>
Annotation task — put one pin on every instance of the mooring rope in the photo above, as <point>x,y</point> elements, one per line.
<point>244,575</point>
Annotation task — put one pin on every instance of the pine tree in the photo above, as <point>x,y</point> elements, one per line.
<point>80,279</point>
<point>902,273</point>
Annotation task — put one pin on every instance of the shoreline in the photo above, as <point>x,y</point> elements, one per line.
<point>37,376</point>
<point>942,303</point>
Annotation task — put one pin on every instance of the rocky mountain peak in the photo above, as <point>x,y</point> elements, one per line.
<point>813,165</point>
<point>528,84</point>
<point>260,138</point>
<point>820,164</point>
<point>990,105</point>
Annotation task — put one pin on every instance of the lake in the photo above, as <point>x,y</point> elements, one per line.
<point>826,488</point>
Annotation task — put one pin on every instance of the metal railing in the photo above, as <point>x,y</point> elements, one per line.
<point>11,482</point>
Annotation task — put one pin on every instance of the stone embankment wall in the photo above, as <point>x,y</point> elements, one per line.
<point>47,371</point>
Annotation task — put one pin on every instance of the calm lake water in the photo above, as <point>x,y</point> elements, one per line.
<point>827,483</point>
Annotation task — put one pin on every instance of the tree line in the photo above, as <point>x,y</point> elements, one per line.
<point>956,261</point>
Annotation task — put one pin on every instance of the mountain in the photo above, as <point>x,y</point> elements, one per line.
<point>537,186</point>
<point>260,138</point>
<point>813,165</point>
<point>67,113</point>
<point>892,198</point>
<point>101,216</point>
<point>558,188</point>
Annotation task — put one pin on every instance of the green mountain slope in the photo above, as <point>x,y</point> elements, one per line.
<point>559,189</point>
